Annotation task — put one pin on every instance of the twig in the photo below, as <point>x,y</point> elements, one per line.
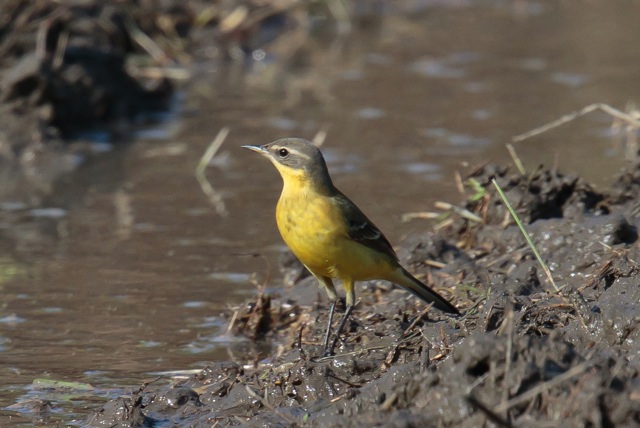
<point>214,197</point>
<point>507,362</point>
<point>478,381</point>
<point>61,46</point>
<point>434,263</point>
<point>491,414</point>
<point>462,212</point>
<point>145,42</point>
<point>266,404</point>
<point>417,319</point>
<point>457,177</point>
<point>516,159</point>
<point>572,116</point>
<point>525,234</point>
<point>391,356</point>
<point>346,354</point>
<point>443,224</point>
<point>320,137</point>
<point>41,38</point>
<point>341,14</point>
<point>339,379</point>
<point>407,217</point>
<point>350,393</point>
<point>234,317</point>
<point>390,401</point>
<point>575,371</point>
<point>425,362</point>
<point>445,206</point>
<point>303,354</point>
<point>149,72</point>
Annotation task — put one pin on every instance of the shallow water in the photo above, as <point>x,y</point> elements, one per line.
<point>127,270</point>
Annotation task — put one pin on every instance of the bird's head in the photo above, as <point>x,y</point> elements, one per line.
<point>296,158</point>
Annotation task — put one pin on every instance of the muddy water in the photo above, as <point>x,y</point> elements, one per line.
<point>131,271</point>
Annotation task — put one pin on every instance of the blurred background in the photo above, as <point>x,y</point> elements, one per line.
<point>115,265</point>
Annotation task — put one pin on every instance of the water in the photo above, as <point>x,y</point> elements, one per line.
<point>127,270</point>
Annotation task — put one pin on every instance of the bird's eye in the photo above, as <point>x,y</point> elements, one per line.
<point>283,152</point>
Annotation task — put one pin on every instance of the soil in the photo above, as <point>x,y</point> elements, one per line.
<point>524,353</point>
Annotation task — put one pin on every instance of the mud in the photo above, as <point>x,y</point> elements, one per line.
<point>523,354</point>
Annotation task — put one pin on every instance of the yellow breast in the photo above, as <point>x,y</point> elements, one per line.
<point>313,228</point>
<point>309,227</point>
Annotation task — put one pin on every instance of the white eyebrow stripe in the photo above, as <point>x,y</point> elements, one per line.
<point>298,153</point>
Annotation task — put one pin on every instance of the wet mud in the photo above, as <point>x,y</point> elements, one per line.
<point>526,351</point>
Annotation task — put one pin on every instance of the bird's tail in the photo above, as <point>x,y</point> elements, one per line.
<point>422,291</point>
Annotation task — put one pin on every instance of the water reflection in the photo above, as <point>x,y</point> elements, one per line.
<point>438,68</point>
<point>370,113</point>
<point>573,80</point>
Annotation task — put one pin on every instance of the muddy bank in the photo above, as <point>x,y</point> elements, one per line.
<point>523,354</point>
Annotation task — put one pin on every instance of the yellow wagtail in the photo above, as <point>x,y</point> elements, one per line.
<point>329,234</point>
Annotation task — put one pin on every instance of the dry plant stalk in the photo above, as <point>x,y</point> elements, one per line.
<point>629,119</point>
<point>214,196</point>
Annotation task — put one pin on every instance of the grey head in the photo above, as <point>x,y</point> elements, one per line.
<point>296,154</point>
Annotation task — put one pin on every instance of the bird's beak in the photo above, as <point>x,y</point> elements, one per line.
<point>258,149</point>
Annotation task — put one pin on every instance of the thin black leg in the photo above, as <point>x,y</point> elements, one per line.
<point>329,351</point>
<point>328,332</point>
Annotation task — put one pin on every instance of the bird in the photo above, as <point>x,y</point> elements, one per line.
<point>330,235</point>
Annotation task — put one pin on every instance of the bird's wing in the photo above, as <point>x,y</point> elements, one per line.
<point>361,229</point>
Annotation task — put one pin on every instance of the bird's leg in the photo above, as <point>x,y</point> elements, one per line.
<point>327,283</point>
<point>328,332</point>
<point>351,297</point>
<point>329,351</point>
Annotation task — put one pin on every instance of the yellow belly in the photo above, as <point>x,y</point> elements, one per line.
<point>312,228</point>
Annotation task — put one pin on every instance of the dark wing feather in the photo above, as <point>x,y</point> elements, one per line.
<point>361,229</point>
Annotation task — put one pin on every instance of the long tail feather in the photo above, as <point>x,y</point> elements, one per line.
<point>422,291</point>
